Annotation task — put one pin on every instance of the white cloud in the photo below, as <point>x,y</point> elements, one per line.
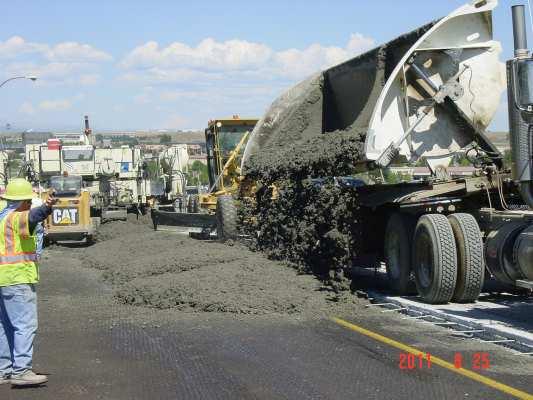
<point>55,105</point>
<point>16,46</point>
<point>76,52</point>
<point>211,60</point>
<point>209,54</point>
<point>55,73</point>
<point>294,63</point>
<point>68,63</point>
<point>50,71</point>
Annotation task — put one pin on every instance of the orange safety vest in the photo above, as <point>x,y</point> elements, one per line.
<point>18,258</point>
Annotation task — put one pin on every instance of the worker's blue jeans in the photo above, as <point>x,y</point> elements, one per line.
<point>18,325</point>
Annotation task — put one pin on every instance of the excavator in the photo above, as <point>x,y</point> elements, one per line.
<point>203,213</point>
<point>426,96</point>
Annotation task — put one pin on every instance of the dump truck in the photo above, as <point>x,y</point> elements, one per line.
<point>200,213</point>
<point>429,95</point>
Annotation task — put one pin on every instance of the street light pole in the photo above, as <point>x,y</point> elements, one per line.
<point>32,78</point>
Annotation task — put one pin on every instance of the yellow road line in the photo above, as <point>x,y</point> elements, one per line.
<point>435,360</point>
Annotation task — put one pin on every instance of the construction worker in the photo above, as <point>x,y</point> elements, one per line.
<point>18,275</point>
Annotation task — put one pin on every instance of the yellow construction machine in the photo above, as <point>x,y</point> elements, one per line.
<point>70,220</point>
<point>225,139</point>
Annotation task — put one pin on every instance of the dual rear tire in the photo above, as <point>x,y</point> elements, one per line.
<point>445,258</point>
<point>398,236</point>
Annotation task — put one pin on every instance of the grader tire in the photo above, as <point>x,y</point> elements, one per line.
<point>397,248</point>
<point>470,263</point>
<point>435,259</point>
<point>226,213</point>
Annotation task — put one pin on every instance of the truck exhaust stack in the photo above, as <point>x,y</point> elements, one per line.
<point>520,92</point>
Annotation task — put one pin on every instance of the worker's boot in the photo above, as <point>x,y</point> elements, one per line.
<point>28,378</point>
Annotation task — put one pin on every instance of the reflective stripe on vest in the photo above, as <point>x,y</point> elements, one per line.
<point>17,250</point>
<point>19,258</point>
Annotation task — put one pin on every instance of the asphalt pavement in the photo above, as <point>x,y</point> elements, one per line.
<point>94,348</point>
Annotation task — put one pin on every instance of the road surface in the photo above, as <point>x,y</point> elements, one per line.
<point>95,348</point>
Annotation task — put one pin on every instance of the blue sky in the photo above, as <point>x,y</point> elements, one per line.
<point>175,64</point>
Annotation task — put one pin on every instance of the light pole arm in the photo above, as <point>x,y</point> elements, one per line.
<point>18,77</point>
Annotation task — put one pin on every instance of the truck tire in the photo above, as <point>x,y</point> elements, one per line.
<point>434,259</point>
<point>470,262</point>
<point>226,213</point>
<point>397,250</point>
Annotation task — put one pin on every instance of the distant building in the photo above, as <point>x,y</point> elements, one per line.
<point>198,157</point>
<point>36,137</point>
<point>194,149</point>
<point>154,148</point>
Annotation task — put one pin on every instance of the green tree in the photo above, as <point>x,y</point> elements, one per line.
<point>462,161</point>
<point>198,173</point>
<point>165,139</point>
<point>421,162</point>
<point>152,168</point>
<point>395,177</point>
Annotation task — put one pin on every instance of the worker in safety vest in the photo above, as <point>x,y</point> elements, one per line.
<point>18,275</point>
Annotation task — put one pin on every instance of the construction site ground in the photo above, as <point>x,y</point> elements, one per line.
<point>151,315</point>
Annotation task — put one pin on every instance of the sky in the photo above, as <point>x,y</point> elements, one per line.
<point>163,64</point>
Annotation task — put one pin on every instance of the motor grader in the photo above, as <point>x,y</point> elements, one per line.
<point>201,213</point>
<point>430,95</point>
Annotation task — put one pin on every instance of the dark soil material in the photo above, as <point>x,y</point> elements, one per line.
<point>165,270</point>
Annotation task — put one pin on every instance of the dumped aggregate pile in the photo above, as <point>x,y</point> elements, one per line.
<point>169,271</point>
<point>308,219</point>
<point>310,135</point>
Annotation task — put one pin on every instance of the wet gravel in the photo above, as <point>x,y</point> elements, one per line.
<point>170,271</point>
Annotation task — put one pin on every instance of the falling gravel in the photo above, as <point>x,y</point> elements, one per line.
<point>313,134</point>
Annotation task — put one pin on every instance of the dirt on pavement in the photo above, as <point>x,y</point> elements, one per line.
<point>165,270</point>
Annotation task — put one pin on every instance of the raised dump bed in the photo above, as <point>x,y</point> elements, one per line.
<point>380,95</point>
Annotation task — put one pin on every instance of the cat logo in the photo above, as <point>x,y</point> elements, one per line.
<point>65,216</point>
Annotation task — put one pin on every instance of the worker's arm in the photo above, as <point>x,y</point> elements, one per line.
<point>39,214</point>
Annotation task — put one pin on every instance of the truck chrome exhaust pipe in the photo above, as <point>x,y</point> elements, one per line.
<point>519,31</point>
<point>520,103</point>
